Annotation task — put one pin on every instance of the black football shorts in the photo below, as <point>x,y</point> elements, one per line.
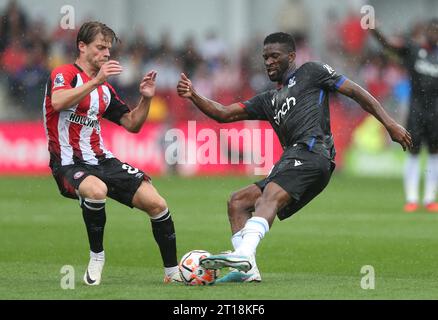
<point>302,174</point>
<point>121,179</point>
<point>422,124</point>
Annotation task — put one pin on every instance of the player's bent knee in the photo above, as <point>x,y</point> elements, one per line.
<point>258,202</point>
<point>241,200</point>
<point>160,205</point>
<point>237,204</point>
<point>99,192</point>
<point>235,201</point>
<point>152,205</point>
<point>274,195</point>
<point>270,202</point>
<point>93,188</point>
<point>157,207</point>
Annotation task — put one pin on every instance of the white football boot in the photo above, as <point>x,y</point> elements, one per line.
<point>174,277</point>
<point>232,260</point>
<point>252,275</point>
<point>93,274</point>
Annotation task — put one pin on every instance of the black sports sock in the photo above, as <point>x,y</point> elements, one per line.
<point>93,212</point>
<point>164,234</point>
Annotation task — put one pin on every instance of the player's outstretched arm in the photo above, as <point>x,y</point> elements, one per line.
<point>371,105</point>
<point>397,48</point>
<point>212,109</point>
<point>134,120</point>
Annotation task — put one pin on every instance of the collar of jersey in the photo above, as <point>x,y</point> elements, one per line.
<point>81,70</point>
<point>77,67</point>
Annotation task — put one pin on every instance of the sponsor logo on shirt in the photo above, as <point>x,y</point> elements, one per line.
<point>285,107</point>
<point>85,121</point>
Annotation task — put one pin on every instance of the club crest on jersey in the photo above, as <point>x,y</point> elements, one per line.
<point>105,99</point>
<point>292,82</point>
<point>59,81</point>
<point>78,175</point>
<point>84,121</point>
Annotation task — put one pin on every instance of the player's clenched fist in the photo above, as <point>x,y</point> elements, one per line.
<point>109,68</point>
<point>184,87</point>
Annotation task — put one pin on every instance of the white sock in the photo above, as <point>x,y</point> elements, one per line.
<point>431,179</point>
<point>236,239</point>
<point>161,215</point>
<point>171,270</point>
<point>412,178</point>
<point>254,230</point>
<point>100,256</point>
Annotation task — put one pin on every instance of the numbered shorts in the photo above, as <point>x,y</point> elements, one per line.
<point>121,179</point>
<point>303,175</point>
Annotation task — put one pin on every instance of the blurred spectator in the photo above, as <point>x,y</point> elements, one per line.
<point>127,81</point>
<point>418,33</point>
<point>353,35</point>
<point>202,80</point>
<point>333,42</point>
<point>293,17</point>
<point>226,81</point>
<point>14,57</point>
<point>373,75</point>
<point>304,52</point>
<point>31,80</point>
<point>13,24</point>
<point>28,50</point>
<point>13,62</point>
<point>190,56</point>
<point>353,40</point>
<point>212,49</point>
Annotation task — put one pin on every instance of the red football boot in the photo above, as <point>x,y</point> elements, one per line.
<point>411,207</point>
<point>432,207</point>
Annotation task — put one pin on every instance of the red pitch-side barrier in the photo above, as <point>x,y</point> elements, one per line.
<point>187,147</point>
<point>201,147</point>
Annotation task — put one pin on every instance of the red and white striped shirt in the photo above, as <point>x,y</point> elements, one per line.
<point>74,133</point>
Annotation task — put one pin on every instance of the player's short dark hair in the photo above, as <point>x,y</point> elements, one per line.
<point>89,30</point>
<point>281,37</point>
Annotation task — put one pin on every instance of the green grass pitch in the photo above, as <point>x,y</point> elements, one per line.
<point>317,254</point>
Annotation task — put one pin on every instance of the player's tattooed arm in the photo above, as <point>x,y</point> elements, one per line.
<point>371,105</point>
<point>212,109</point>
<point>398,48</point>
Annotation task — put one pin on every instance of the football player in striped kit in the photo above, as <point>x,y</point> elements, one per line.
<point>77,97</point>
